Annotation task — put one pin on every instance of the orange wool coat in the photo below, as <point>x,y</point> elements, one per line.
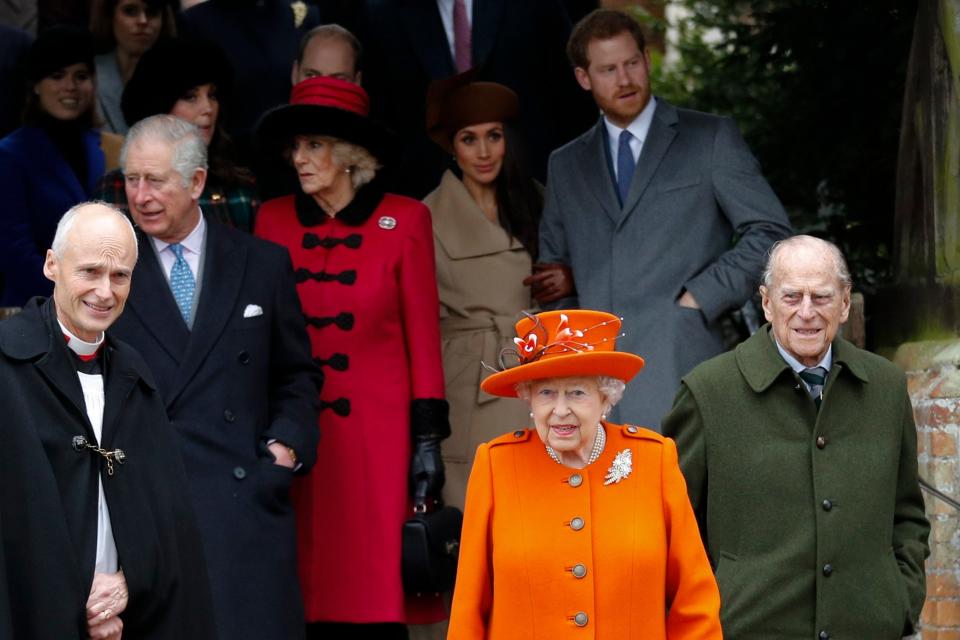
<point>543,543</point>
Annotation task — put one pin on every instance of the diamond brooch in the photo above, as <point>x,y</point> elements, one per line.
<point>621,467</point>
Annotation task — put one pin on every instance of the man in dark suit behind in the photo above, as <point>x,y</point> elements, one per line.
<point>644,208</point>
<point>215,314</point>
<point>410,43</point>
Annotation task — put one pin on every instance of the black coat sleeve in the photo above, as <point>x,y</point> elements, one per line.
<point>294,378</point>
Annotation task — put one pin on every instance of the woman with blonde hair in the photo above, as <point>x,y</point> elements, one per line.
<point>365,271</point>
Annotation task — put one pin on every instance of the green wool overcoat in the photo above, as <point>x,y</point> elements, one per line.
<point>813,521</point>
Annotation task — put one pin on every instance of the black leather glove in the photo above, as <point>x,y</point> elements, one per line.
<point>426,470</point>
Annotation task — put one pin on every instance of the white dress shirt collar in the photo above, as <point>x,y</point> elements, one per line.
<point>192,249</point>
<point>193,242</point>
<point>639,128</point>
<point>795,364</point>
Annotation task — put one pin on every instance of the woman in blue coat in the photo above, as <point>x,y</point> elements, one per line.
<point>52,162</point>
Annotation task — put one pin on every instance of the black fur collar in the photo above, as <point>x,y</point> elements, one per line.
<point>364,203</point>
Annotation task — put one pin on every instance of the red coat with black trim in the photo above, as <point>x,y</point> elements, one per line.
<point>367,285</point>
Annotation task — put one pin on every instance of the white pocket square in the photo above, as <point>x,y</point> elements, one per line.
<point>252,311</point>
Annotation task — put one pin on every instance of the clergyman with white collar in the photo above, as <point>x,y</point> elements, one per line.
<point>96,537</point>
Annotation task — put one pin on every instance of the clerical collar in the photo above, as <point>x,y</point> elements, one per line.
<point>795,364</point>
<point>81,347</point>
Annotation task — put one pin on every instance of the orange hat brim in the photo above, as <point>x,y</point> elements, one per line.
<point>615,364</point>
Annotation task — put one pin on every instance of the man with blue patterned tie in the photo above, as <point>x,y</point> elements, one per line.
<point>644,208</point>
<point>215,314</point>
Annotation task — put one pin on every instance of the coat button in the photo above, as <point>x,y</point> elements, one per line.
<point>579,571</point>
<point>243,357</point>
<point>580,619</point>
<point>827,569</point>
<point>821,442</point>
<point>576,524</point>
<point>632,429</point>
<point>239,473</point>
<point>518,433</point>
<point>827,505</point>
<point>576,480</point>
<point>228,415</point>
<point>823,635</point>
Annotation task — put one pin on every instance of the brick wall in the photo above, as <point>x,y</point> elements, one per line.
<point>933,377</point>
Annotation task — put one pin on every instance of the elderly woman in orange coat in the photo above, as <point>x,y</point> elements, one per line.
<point>579,528</point>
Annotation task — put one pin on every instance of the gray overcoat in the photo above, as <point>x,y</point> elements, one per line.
<point>814,521</point>
<point>696,188</point>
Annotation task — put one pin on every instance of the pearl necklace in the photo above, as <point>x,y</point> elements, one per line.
<point>599,441</point>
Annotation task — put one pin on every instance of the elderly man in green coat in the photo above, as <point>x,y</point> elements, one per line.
<point>800,454</point>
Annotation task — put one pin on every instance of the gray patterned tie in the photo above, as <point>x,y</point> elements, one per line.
<point>815,377</point>
<point>182,283</point>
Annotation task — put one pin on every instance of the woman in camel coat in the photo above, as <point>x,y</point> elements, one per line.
<point>485,215</point>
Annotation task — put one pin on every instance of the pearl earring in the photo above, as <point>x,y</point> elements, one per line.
<point>531,414</point>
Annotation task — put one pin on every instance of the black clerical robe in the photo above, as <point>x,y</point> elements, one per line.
<point>48,493</point>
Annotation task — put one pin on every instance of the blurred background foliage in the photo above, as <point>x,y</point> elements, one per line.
<point>817,89</point>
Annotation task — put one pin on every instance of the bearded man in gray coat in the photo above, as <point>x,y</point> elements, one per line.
<point>641,214</point>
<point>800,455</point>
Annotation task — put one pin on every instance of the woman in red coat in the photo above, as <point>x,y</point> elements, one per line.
<point>365,270</point>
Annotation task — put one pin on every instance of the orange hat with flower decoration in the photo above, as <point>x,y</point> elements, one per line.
<point>556,344</point>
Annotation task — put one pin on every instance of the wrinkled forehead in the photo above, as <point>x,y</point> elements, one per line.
<point>805,268</point>
<point>103,243</point>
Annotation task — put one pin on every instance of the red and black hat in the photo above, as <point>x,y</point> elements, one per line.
<point>328,107</point>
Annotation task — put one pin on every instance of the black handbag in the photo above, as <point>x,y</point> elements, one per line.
<point>431,544</point>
